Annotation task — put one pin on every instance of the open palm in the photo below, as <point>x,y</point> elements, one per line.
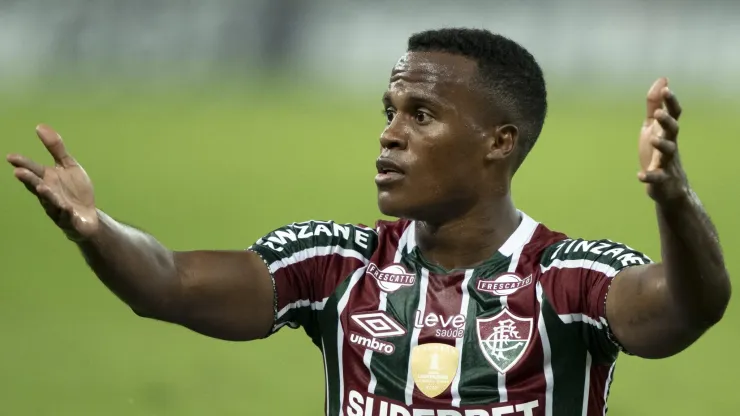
<point>64,190</point>
<point>660,165</point>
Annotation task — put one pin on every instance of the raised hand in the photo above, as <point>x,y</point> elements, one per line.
<point>661,168</point>
<point>64,190</point>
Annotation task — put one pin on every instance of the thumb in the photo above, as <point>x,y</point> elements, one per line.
<point>655,98</point>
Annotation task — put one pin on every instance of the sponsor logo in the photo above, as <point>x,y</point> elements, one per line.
<point>503,338</point>
<point>375,325</point>
<point>602,249</point>
<point>391,278</point>
<point>278,239</point>
<point>363,404</point>
<point>504,285</point>
<point>446,327</point>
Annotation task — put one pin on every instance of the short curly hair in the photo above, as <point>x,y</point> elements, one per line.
<point>508,73</point>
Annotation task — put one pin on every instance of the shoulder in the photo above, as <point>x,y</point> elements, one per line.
<point>604,255</point>
<point>317,235</point>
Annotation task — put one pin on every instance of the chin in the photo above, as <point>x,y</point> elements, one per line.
<point>392,204</point>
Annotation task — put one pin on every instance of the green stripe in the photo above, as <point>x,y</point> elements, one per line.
<point>568,362</point>
<point>329,321</point>
<point>478,379</point>
<point>391,370</point>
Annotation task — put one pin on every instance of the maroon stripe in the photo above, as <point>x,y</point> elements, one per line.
<point>439,322</point>
<point>364,298</point>
<point>576,291</point>
<point>520,387</point>
<point>299,281</point>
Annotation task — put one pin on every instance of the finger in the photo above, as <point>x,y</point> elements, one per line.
<point>654,97</point>
<point>653,176</point>
<point>54,144</point>
<point>666,147</point>
<point>671,103</point>
<point>28,178</point>
<point>47,196</point>
<point>20,161</point>
<point>668,123</point>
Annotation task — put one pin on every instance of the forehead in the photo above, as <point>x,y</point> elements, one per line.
<point>434,74</point>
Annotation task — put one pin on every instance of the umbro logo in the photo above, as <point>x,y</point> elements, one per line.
<point>370,326</point>
<point>378,324</point>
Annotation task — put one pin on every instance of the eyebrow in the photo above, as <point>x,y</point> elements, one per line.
<point>418,99</point>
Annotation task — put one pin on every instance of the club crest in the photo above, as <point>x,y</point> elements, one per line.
<point>503,338</point>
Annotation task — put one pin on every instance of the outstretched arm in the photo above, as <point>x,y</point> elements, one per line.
<point>223,294</point>
<point>658,310</point>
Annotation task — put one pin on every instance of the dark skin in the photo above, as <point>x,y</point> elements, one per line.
<point>222,294</point>
<point>456,178</point>
<point>659,310</point>
<point>446,163</point>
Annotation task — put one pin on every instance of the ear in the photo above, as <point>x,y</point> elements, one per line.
<point>502,143</point>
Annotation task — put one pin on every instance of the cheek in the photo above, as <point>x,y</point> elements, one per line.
<point>445,168</point>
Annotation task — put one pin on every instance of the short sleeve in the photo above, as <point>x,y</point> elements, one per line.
<point>576,277</point>
<point>307,261</point>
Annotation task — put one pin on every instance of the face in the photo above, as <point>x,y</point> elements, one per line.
<point>436,155</point>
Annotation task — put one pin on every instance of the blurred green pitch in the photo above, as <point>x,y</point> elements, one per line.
<point>218,167</point>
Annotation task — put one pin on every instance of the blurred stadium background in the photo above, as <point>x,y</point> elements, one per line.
<point>211,123</point>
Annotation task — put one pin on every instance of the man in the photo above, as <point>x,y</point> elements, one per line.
<point>464,306</point>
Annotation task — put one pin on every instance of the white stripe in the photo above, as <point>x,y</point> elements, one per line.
<point>290,324</point>
<point>569,318</point>
<point>312,252</point>
<point>326,376</point>
<point>415,333</point>
<point>411,238</point>
<point>367,358</point>
<point>520,237</point>
<point>608,270</point>
<point>547,353</point>
<point>340,332</point>
<point>459,342</point>
<point>513,247</point>
<point>586,385</point>
<point>316,306</point>
<point>608,385</point>
<point>407,239</point>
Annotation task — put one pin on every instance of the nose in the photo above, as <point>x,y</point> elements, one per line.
<point>393,137</point>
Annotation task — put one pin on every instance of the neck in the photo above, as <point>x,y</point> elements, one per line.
<point>471,239</point>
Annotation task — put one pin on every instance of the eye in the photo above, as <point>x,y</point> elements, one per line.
<point>422,117</point>
<point>389,114</point>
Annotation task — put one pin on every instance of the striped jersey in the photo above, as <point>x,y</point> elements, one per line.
<point>524,333</point>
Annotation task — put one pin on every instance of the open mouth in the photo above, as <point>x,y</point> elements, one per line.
<point>388,171</point>
<point>387,166</point>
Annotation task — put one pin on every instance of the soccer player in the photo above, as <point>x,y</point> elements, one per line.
<point>463,306</point>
